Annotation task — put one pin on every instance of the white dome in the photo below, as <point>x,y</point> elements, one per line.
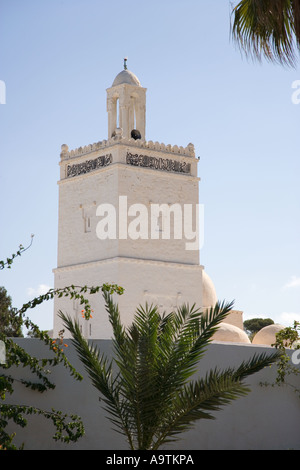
<point>231,334</point>
<point>267,335</point>
<point>126,77</point>
<point>209,296</point>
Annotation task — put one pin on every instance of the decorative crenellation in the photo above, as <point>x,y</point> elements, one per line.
<point>188,151</point>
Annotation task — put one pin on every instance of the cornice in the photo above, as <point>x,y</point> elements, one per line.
<point>122,259</point>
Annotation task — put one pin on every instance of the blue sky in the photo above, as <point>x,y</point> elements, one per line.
<point>58,57</point>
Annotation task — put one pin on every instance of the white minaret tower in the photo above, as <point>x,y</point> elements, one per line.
<point>127,215</point>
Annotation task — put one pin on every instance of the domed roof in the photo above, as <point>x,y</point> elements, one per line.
<point>231,334</point>
<point>209,296</point>
<point>126,77</point>
<point>267,335</point>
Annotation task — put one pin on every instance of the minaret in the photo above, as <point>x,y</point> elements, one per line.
<point>128,212</point>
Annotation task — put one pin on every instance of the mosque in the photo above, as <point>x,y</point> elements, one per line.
<point>129,215</point>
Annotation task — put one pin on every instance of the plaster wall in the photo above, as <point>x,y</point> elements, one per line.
<point>154,282</point>
<point>268,418</point>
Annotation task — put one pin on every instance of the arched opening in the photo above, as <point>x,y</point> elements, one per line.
<point>134,113</point>
<point>114,116</point>
<point>117,112</point>
<point>135,133</point>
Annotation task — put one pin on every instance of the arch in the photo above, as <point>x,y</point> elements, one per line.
<point>126,107</point>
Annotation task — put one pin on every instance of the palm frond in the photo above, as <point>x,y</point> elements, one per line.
<point>191,333</point>
<point>99,370</point>
<point>256,363</point>
<point>268,28</point>
<point>200,398</point>
<point>146,388</point>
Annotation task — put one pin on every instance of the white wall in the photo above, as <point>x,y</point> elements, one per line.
<point>267,418</point>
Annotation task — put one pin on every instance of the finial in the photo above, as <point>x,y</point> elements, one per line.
<point>125,63</point>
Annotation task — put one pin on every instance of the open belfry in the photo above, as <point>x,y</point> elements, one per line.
<point>129,215</point>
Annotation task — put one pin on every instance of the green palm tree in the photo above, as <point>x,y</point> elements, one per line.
<point>268,28</point>
<point>146,387</point>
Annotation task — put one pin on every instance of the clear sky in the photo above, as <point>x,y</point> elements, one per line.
<point>58,57</point>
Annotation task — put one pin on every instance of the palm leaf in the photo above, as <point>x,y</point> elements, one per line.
<point>268,28</point>
<point>191,333</point>
<point>198,399</point>
<point>99,370</point>
<point>146,388</point>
